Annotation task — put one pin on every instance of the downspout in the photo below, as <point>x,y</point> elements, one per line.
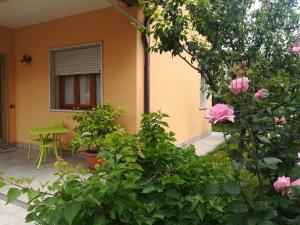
<point>146,45</point>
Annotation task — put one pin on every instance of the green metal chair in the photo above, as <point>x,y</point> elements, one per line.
<point>56,124</point>
<point>46,142</point>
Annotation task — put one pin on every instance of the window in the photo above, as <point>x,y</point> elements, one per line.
<point>75,79</point>
<point>203,93</point>
<point>78,92</point>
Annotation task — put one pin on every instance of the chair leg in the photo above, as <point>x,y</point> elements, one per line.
<point>45,154</point>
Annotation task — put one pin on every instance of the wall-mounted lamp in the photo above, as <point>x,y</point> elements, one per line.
<point>26,59</point>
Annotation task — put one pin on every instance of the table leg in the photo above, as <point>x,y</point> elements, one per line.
<point>41,154</point>
<point>40,157</point>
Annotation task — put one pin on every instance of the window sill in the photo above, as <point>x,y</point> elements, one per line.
<point>67,110</point>
<point>202,108</point>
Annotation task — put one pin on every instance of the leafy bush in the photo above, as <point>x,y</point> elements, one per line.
<point>146,180</point>
<point>93,126</point>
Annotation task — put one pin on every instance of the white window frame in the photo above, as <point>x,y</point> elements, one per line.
<point>51,76</point>
<point>203,101</point>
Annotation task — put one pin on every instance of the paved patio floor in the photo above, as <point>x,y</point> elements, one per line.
<point>14,163</point>
<point>209,143</point>
<point>12,214</point>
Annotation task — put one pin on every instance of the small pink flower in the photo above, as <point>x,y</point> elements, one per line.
<point>262,93</point>
<point>239,85</point>
<point>295,49</point>
<point>296,183</point>
<point>281,183</point>
<point>298,155</point>
<point>220,113</point>
<point>280,120</point>
<point>298,164</point>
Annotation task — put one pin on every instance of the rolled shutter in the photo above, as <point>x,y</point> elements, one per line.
<point>84,60</point>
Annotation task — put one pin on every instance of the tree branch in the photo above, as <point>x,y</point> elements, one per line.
<point>190,64</point>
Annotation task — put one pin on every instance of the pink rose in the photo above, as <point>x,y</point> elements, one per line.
<point>296,183</point>
<point>280,120</point>
<point>220,113</point>
<point>298,155</point>
<point>295,49</point>
<point>281,183</point>
<point>239,85</point>
<point>262,93</point>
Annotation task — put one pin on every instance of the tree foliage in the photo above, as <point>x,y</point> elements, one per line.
<point>221,39</point>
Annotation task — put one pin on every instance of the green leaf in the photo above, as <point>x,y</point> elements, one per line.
<point>112,213</point>
<point>252,221</point>
<point>264,140</point>
<point>30,217</point>
<point>119,207</point>
<point>201,212</point>
<point>232,188</point>
<point>260,206</point>
<point>272,161</point>
<point>159,216</point>
<point>148,189</point>
<point>237,207</point>
<point>296,191</point>
<point>54,216</point>
<point>237,165</point>
<point>212,189</point>
<point>270,214</point>
<point>266,222</point>
<point>99,220</point>
<point>13,194</point>
<point>71,211</point>
<point>32,194</point>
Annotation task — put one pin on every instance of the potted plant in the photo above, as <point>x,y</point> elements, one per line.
<point>92,128</point>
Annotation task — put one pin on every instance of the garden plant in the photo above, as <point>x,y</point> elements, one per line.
<point>91,130</point>
<point>92,127</point>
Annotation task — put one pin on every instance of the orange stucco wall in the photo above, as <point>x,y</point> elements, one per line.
<point>120,71</point>
<point>175,90</point>
<point>7,49</point>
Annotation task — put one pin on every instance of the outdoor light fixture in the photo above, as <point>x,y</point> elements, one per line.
<point>26,59</point>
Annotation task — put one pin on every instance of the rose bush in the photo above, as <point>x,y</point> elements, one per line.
<point>270,153</point>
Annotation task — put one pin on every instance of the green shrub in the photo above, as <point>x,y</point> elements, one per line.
<point>93,126</point>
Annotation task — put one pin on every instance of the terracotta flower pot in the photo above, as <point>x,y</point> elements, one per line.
<point>92,160</point>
